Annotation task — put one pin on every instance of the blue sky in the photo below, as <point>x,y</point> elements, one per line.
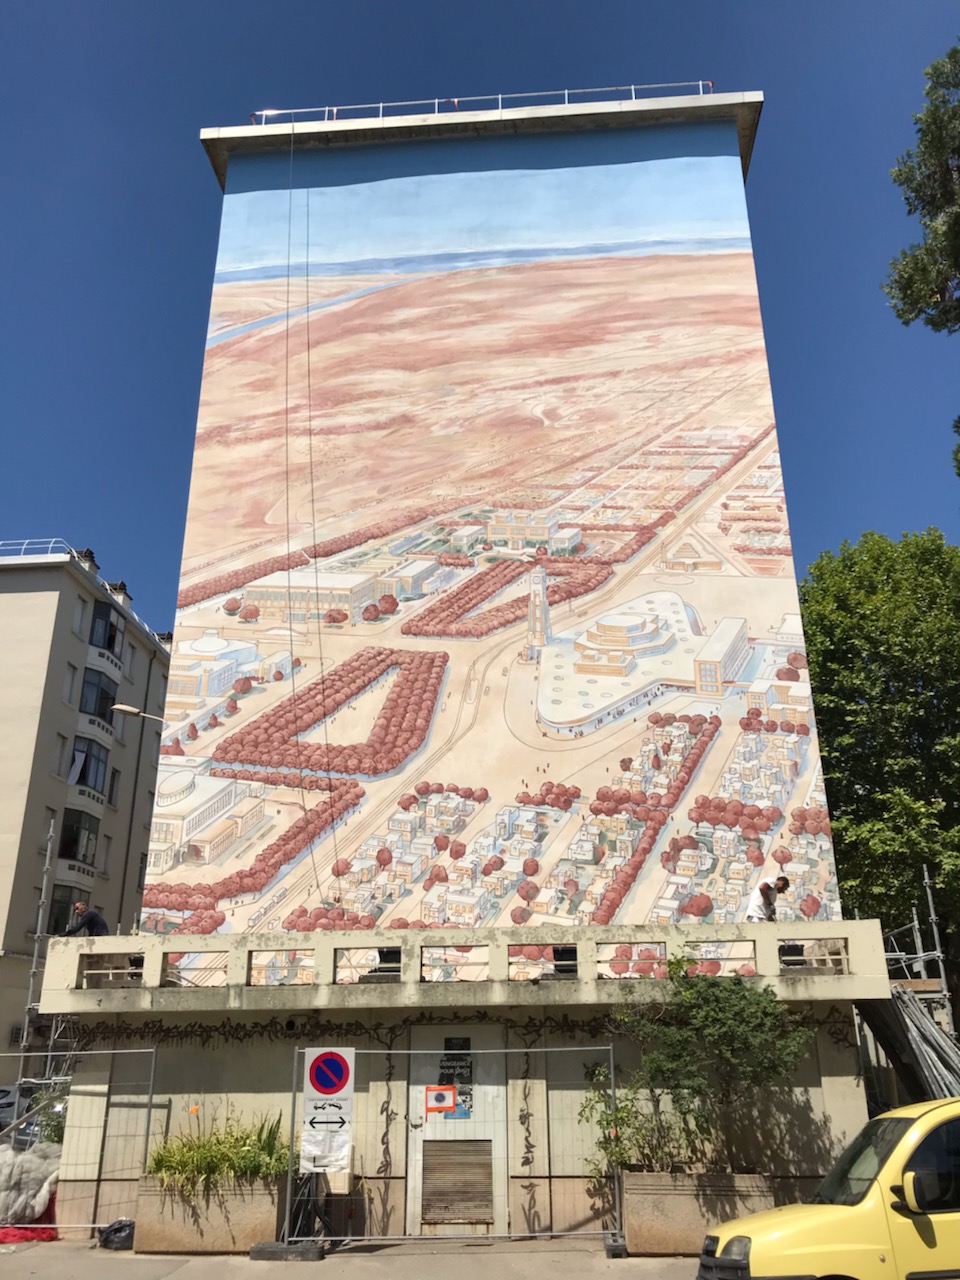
<point>110,217</point>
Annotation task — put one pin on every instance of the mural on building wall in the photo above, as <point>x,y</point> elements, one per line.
<point>487,610</point>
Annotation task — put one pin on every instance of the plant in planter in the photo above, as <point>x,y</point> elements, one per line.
<point>712,1052</point>
<point>200,1162</point>
<point>213,1188</point>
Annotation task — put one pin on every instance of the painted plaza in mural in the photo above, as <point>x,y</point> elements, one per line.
<point>487,608</point>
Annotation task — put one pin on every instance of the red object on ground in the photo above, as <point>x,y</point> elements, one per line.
<point>38,1232</point>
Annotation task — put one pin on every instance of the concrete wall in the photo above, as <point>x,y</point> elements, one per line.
<point>207,1069</point>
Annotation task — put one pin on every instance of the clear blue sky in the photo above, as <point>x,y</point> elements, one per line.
<point>110,213</point>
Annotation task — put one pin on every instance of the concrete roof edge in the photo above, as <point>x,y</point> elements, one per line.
<point>744,108</point>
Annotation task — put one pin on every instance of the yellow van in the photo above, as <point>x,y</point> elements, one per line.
<point>888,1210</point>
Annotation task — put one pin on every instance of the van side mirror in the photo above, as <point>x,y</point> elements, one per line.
<point>913,1193</point>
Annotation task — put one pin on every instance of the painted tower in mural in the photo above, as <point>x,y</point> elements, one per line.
<point>441,348</point>
<point>538,614</point>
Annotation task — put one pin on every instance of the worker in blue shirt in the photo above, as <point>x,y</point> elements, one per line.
<point>89,919</point>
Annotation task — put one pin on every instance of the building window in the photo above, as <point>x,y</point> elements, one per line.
<point>62,898</point>
<point>70,683</point>
<point>113,790</point>
<point>120,729</point>
<point>80,615</point>
<point>151,799</point>
<point>142,873</point>
<point>129,660</point>
<point>98,695</point>
<point>78,839</point>
<point>58,765</point>
<point>108,628</point>
<point>89,768</point>
<point>107,851</point>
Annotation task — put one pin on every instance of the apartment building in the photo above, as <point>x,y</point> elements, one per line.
<point>72,648</point>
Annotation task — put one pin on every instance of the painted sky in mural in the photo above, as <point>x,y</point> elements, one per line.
<point>487,608</point>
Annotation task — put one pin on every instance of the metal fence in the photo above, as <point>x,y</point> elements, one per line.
<point>458,1142</point>
<point>106,1123</point>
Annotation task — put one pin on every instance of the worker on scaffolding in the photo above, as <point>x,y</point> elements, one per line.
<point>86,918</point>
<point>763,901</point>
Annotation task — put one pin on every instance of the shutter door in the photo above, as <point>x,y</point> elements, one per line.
<point>457,1181</point>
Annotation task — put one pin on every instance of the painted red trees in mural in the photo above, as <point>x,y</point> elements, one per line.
<point>554,795</point>
<point>343,794</point>
<point>448,615</point>
<point>751,820</point>
<point>272,740</point>
<point>298,559</point>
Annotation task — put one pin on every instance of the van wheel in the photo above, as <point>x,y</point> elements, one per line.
<point>837,1278</point>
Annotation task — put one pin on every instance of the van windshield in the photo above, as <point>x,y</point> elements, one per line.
<point>851,1177</point>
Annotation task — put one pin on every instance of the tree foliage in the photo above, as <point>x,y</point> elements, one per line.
<point>712,1043</point>
<point>881,621</point>
<point>924,281</point>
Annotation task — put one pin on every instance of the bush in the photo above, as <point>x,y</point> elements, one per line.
<point>713,1042</point>
<point>197,1162</point>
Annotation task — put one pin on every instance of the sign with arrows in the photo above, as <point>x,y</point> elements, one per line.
<point>326,1135</point>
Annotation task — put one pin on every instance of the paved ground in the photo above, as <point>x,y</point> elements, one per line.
<point>481,1261</point>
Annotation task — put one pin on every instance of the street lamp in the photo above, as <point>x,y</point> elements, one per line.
<point>135,711</point>
<point>127,710</point>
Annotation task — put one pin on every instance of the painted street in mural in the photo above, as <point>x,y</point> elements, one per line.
<point>487,609</point>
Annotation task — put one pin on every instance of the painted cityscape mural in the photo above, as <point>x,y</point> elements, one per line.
<point>487,610</point>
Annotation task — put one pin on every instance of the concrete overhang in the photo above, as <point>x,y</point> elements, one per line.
<point>743,109</point>
<point>90,977</point>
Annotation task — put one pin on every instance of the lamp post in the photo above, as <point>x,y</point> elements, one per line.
<point>135,711</point>
<point>138,713</point>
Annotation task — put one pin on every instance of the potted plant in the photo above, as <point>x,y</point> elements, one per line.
<point>213,1188</point>
<point>685,1127</point>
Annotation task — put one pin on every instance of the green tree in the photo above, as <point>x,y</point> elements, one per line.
<point>881,621</point>
<point>924,281</point>
<point>712,1043</point>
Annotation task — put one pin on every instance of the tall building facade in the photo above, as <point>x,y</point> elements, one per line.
<point>466,343</point>
<point>71,648</point>
<point>488,666</point>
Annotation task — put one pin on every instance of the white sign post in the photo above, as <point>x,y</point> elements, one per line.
<point>326,1138</point>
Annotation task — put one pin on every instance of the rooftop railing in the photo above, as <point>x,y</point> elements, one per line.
<point>37,548</point>
<point>485,102</point>
<point>16,548</point>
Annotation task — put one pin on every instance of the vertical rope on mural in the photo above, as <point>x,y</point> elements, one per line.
<point>286,494</point>
<point>313,525</point>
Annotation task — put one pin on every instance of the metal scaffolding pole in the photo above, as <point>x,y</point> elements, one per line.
<point>39,939</point>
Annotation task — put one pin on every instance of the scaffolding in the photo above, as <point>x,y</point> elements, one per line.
<point>908,1044</point>
<point>47,1039</point>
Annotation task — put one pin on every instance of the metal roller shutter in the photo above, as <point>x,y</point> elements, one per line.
<point>457,1181</point>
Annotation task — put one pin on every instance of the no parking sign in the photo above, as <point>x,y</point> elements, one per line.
<point>325,1139</point>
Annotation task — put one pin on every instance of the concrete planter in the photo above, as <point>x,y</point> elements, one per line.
<point>670,1213</point>
<point>231,1219</point>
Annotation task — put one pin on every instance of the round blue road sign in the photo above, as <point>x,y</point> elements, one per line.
<point>329,1073</point>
